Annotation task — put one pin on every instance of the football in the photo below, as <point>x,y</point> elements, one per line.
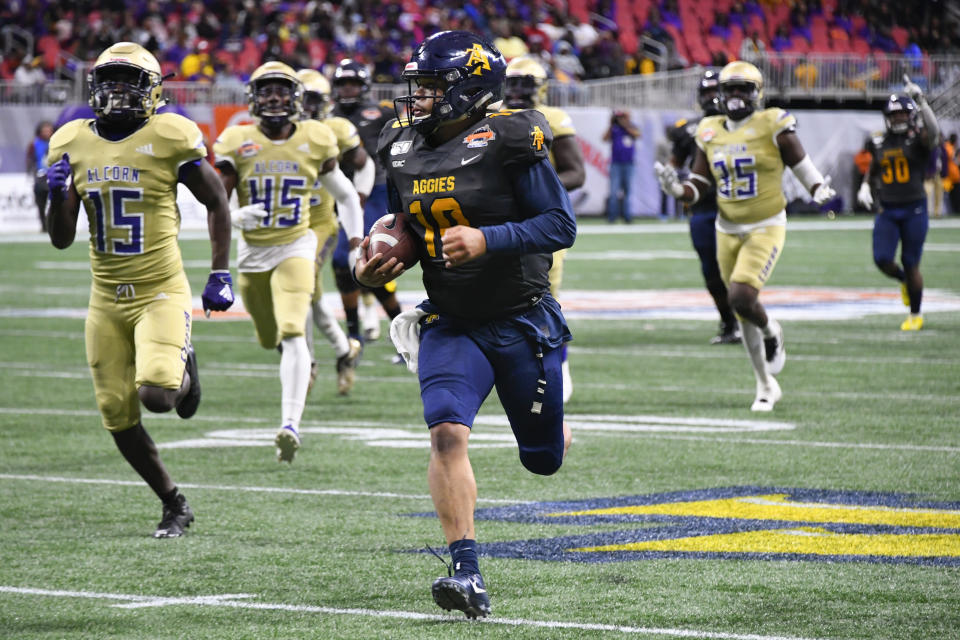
<point>389,235</point>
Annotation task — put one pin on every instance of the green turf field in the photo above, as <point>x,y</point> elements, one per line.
<point>678,513</point>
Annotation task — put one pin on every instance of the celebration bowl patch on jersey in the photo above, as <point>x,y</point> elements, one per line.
<point>400,148</point>
<point>480,138</point>
<point>707,135</point>
<point>248,149</point>
<point>370,114</point>
<point>755,523</point>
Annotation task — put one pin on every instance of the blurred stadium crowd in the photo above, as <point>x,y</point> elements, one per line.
<point>223,41</point>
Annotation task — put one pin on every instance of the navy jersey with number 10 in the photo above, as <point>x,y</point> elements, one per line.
<point>467,181</point>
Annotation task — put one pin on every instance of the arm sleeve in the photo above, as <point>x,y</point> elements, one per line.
<point>551,225</point>
<point>348,202</point>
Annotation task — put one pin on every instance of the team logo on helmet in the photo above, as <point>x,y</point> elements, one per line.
<point>478,59</point>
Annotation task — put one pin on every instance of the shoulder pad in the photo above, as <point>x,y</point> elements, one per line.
<point>66,133</point>
<point>173,126</point>
<point>319,133</point>
<point>230,138</point>
<point>522,137</point>
<point>559,121</point>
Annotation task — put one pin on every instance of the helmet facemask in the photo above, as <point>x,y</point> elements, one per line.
<point>456,98</point>
<point>900,115</point>
<point>122,93</point>
<point>520,92</point>
<point>738,98</point>
<point>316,106</point>
<point>276,101</point>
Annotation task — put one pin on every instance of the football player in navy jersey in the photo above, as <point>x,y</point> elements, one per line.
<point>900,157</point>
<point>703,213</point>
<point>477,188</point>
<point>351,86</point>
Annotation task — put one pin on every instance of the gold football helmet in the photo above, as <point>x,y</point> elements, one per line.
<point>260,96</point>
<point>125,83</point>
<point>741,89</point>
<point>525,86</point>
<point>316,94</point>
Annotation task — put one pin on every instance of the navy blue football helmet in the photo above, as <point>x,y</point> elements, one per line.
<point>900,114</point>
<point>469,70</point>
<point>708,93</point>
<point>350,71</point>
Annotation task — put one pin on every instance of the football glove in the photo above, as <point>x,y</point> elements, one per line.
<point>824,193</point>
<point>864,196</point>
<point>667,177</point>
<point>248,217</point>
<point>218,293</point>
<point>58,175</point>
<point>912,90</point>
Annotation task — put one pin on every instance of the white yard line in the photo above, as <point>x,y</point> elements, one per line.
<point>241,601</point>
<point>217,487</point>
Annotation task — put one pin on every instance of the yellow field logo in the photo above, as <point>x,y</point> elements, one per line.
<point>745,523</point>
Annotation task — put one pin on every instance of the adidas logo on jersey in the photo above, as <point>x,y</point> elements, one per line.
<point>305,148</point>
<point>147,149</point>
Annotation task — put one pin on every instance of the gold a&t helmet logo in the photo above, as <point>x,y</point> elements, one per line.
<point>479,59</point>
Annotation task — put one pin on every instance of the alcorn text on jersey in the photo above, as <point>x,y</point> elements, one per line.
<point>129,192</point>
<point>746,164</point>
<point>280,174</point>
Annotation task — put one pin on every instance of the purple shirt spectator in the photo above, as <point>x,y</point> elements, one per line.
<point>622,145</point>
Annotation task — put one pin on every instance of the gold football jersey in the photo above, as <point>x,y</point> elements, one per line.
<point>129,191</point>
<point>321,202</point>
<point>746,164</point>
<point>560,123</point>
<point>278,173</point>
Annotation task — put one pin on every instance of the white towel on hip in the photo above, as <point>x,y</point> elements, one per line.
<point>405,334</point>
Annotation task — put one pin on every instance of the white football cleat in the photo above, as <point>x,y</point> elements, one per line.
<point>767,395</point>
<point>775,352</point>
<point>287,441</point>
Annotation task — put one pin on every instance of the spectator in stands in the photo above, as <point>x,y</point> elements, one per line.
<point>509,38</point>
<point>567,66</point>
<point>30,73</point>
<point>37,168</point>
<point>721,25</point>
<point>670,14</point>
<point>800,21</point>
<point>622,135</point>
<point>638,63</point>
<point>752,49</point>
<point>197,66</point>
<point>604,58</point>
<point>781,40</point>
<point>805,73</point>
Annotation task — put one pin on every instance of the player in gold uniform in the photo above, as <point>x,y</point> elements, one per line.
<point>123,166</point>
<point>744,151</point>
<point>323,222</point>
<point>525,87</point>
<point>274,165</point>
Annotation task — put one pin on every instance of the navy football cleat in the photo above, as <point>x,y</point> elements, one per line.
<point>463,592</point>
<point>191,399</point>
<point>176,517</point>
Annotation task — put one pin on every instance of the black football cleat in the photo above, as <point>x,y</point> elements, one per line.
<point>191,399</point>
<point>463,592</point>
<point>729,334</point>
<point>176,518</point>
